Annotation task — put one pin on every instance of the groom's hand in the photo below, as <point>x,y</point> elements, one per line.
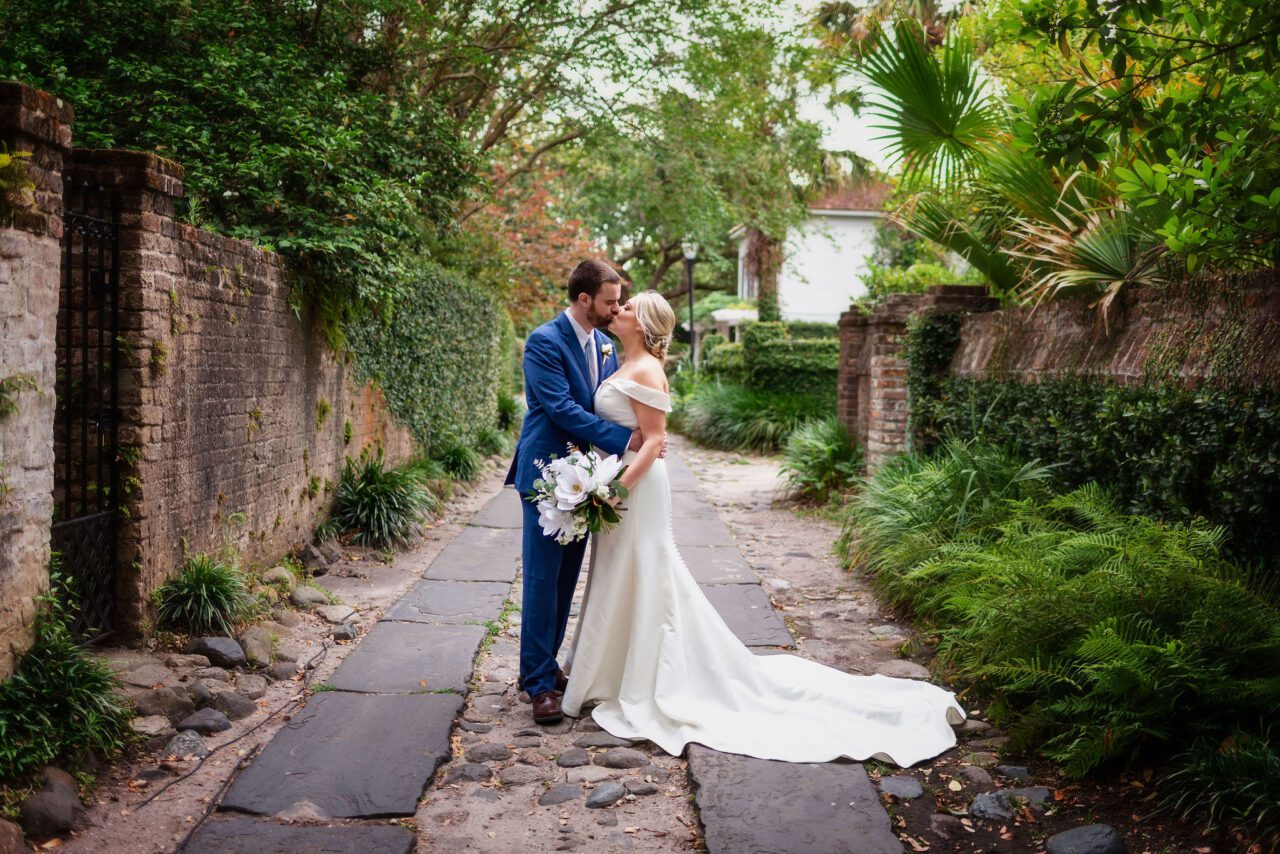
<point>662,455</point>
<point>636,441</point>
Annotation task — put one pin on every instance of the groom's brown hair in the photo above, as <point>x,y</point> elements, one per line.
<point>588,276</point>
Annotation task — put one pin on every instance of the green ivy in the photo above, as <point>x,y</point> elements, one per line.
<point>15,186</point>
<point>931,342</point>
<point>438,357</point>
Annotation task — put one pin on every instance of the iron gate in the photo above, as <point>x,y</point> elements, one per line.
<point>86,447</point>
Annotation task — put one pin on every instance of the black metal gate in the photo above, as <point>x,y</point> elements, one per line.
<point>86,449</point>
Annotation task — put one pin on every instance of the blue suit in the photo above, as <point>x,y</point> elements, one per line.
<point>560,397</point>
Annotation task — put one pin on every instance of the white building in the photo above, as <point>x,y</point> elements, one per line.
<point>823,259</point>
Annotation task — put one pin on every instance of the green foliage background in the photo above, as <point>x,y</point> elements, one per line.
<point>439,356</point>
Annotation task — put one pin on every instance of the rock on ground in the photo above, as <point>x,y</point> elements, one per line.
<point>206,722</point>
<point>187,743</point>
<point>51,812</point>
<point>257,643</point>
<point>1090,839</point>
<point>280,575</point>
<point>11,841</point>
<point>1001,805</point>
<point>902,787</point>
<point>622,757</point>
<point>574,757</point>
<point>234,706</point>
<point>606,794</point>
<point>170,703</point>
<point>560,794</point>
<point>251,685</point>
<point>221,652</point>
<point>308,597</point>
<point>151,725</point>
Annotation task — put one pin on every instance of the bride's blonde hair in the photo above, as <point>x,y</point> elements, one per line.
<point>657,321</point>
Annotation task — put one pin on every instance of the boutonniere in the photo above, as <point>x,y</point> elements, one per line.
<point>606,349</point>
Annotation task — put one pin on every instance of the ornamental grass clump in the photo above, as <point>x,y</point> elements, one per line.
<point>735,418</point>
<point>820,459</point>
<point>378,506</point>
<point>459,459</point>
<point>61,700</point>
<point>490,441</point>
<point>208,595</point>
<point>1096,636</point>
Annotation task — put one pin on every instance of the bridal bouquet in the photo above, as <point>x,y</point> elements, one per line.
<point>573,495</point>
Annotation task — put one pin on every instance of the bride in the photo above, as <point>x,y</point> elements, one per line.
<point>657,659</point>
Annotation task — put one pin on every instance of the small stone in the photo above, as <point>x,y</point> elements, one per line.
<point>588,725</point>
<point>336,613</point>
<point>11,841</point>
<point>574,757</point>
<point>56,778</point>
<point>218,674</point>
<point>146,675</point>
<point>1090,839</point>
<point>519,775</point>
<point>234,706</point>
<point>257,643</point>
<point>308,597</point>
<point>974,726</point>
<point>1001,805</point>
<point>622,757</point>
<point>175,659</point>
<point>329,549</point>
<point>601,739</point>
<point>288,617</point>
<point>975,776</point>
<point>492,689</point>
<point>488,753</point>
<point>639,787</point>
<point>527,741</point>
<point>200,693</point>
<point>221,652</point>
<point>981,758</point>
<point>945,826</point>
<point>902,669</point>
<point>186,743</point>
<point>533,732</point>
<point>993,743</point>
<point>172,703</point>
<point>251,685</point>
<point>589,774</point>
<point>282,670</point>
<point>560,794</point>
<point>468,726</point>
<point>1017,773</point>
<point>206,722</point>
<point>314,560</point>
<point>605,794</point>
<point>886,631</point>
<point>901,787</point>
<point>151,725</point>
<point>281,576</point>
<point>50,813</point>
<point>152,775</point>
<point>472,771</point>
<point>344,632</point>
<point>607,819</point>
<point>305,810</point>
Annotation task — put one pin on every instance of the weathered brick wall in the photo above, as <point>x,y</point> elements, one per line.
<point>234,410</point>
<point>29,275</point>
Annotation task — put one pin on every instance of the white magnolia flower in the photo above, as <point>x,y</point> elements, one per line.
<point>553,520</point>
<point>607,469</point>
<point>571,487</point>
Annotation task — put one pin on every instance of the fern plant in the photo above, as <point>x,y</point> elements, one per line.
<point>819,459</point>
<point>207,596</point>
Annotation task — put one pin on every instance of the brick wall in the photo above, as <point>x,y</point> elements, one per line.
<point>234,410</point>
<point>29,276</point>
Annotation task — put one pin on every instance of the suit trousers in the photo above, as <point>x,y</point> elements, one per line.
<point>550,577</point>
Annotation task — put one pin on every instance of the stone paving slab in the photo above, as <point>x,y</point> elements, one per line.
<point>502,511</point>
<point>756,806</point>
<point>351,755</point>
<point>479,554</point>
<point>693,530</point>
<point>238,834</point>
<point>680,476</point>
<point>750,615</point>
<point>400,658</point>
<point>715,565</point>
<point>435,601</point>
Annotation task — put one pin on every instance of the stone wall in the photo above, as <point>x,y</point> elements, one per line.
<point>234,410</point>
<point>29,276</point>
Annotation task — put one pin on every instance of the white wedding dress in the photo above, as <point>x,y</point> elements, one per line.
<point>662,665</point>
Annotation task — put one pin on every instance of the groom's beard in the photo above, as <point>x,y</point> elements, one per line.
<point>600,321</point>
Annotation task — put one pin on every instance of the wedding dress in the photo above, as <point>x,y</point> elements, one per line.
<point>662,665</point>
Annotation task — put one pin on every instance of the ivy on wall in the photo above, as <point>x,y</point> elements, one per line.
<point>438,358</point>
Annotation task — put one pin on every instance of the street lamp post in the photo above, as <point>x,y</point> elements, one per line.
<point>690,256</point>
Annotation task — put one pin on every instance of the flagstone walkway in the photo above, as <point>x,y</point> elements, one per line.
<point>406,702</point>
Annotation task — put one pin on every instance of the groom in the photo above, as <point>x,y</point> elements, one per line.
<point>565,360</point>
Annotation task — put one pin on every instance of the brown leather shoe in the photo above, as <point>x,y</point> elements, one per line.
<point>546,708</point>
<point>562,681</point>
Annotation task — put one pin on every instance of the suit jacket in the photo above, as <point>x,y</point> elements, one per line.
<point>560,397</point>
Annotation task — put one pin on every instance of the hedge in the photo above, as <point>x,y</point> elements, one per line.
<point>797,366</point>
<point>812,329</point>
<point>439,357</point>
<point>726,363</point>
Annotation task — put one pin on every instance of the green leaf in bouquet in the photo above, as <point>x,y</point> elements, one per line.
<point>620,490</point>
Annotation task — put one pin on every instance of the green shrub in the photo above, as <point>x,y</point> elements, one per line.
<point>207,596</point>
<point>1096,636</point>
<point>812,329</point>
<point>914,279</point>
<point>820,459</point>
<point>438,357</point>
<point>734,418</point>
<point>490,441</point>
<point>61,700</point>
<point>380,506</point>
<point>459,459</point>
<point>1233,781</point>
<point>726,363</point>
<point>755,334</point>
<point>800,366</point>
<point>509,412</point>
<point>709,342</point>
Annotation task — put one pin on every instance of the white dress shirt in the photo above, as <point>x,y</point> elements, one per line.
<point>587,341</point>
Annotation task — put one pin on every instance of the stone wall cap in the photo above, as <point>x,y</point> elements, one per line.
<point>129,170</point>
<point>35,113</point>
<point>957,290</point>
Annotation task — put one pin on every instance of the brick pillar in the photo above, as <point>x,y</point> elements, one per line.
<point>30,263</point>
<point>886,371</point>
<point>853,334</point>
<point>149,187</point>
